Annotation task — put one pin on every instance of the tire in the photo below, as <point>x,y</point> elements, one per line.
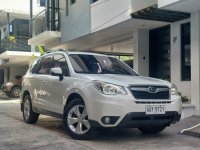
<point>29,116</point>
<point>79,127</point>
<point>15,92</point>
<point>8,94</point>
<point>152,129</point>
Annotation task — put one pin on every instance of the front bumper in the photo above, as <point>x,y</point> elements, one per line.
<point>127,111</point>
<point>4,88</point>
<point>140,119</point>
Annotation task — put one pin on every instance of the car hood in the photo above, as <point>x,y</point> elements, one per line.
<point>127,81</point>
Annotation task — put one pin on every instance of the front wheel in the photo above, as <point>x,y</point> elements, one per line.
<point>76,121</point>
<point>152,129</point>
<point>29,116</point>
<point>15,92</point>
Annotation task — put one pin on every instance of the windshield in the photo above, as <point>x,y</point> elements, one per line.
<point>97,64</point>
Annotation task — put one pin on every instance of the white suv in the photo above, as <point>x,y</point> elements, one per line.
<point>91,90</point>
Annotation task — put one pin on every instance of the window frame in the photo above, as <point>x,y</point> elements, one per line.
<point>68,71</point>
<point>183,66</point>
<point>36,71</point>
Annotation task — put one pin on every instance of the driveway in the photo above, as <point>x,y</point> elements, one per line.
<point>49,134</point>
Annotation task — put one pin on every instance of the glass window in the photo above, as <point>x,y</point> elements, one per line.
<point>35,65</point>
<point>72,2</point>
<point>42,3</point>
<point>93,1</point>
<point>185,52</point>
<point>60,61</point>
<point>45,65</point>
<point>97,64</point>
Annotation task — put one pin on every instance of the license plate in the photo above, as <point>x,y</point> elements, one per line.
<point>157,109</point>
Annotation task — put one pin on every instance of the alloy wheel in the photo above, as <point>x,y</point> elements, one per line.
<point>78,120</point>
<point>27,109</point>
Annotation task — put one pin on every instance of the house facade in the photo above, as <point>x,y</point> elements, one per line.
<point>163,36</point>
<point>15,53</point>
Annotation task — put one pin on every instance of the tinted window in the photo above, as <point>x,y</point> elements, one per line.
<point>60,61</point>
<point>185,52</point>
<point>35,65</point>
<point>96,64</point>
<point>45,65</point>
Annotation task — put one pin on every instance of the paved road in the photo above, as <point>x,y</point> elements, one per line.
<point>48,134</point>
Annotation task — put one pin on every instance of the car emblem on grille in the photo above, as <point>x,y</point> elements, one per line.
<point>152,89</point>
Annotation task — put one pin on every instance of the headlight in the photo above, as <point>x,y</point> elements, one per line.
<point>8,84</point>
<point>109,89</point>
<point>174,90</point>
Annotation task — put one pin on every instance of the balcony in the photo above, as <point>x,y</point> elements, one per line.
<point>15,51</point>
<point>15,44</point>
<point>46,27</point>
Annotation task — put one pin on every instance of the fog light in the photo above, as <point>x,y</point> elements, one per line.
<point>107,120</point>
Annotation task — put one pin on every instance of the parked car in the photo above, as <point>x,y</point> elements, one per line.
<point>90,91</point>
<point>12,88</point>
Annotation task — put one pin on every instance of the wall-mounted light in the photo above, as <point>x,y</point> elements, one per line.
<point>175,39</point>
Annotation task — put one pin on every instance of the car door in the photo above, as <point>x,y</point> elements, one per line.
<point>56,87</point>
<point>41,92</point>
<point>33,81</point>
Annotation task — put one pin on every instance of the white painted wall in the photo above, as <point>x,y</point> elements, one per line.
<point>20,6</point>
<point>77,22</point>
<point>141,52</point>
<point>105,13</point>
<point>141,4</point>
<point>183,86</point>
<point>195,61</point>
<point>163,3</point>
<point>17,71</point>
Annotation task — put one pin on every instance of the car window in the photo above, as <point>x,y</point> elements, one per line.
<point>34,65</point>
<point>97,64</point>
<point>44,65</point>
<point>60,61</point>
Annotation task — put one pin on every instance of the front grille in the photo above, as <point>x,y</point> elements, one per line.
<point>151,92</point>
<point>152,102</point>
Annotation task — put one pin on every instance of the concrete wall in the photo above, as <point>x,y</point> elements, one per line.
<point>17,71</point>
<point>141,4</point>
<point>162,3</point>
<point>105,13</point>
<point>141,52</point>
<point>76,22</point>
<point>183,86</point>
<point>195,61</point>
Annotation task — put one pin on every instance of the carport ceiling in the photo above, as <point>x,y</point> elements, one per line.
<point>117,33</point>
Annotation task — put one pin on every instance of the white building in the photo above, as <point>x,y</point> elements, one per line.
<point>15,53</point>
<point>163,35</point>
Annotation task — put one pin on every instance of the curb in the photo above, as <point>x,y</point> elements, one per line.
<point>189,131</point>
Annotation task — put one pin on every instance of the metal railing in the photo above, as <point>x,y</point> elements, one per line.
<point>18,43</point>
<point>43,21</point>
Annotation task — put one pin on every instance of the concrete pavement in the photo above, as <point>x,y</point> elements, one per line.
<point>48,133</point>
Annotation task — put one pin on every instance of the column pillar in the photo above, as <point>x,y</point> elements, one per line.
<point>195,61</point>
<point>141,52</point>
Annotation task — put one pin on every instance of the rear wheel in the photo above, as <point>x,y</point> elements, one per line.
<point>15,91</point>
<point>152,129</point>
<point>76,121</point>
<point>29,116</point>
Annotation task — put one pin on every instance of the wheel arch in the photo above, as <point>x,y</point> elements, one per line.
<point>25,93</point>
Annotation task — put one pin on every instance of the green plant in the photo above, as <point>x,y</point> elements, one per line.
<point>184,99</point>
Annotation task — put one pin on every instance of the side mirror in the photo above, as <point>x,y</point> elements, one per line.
<point>57,72</point>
